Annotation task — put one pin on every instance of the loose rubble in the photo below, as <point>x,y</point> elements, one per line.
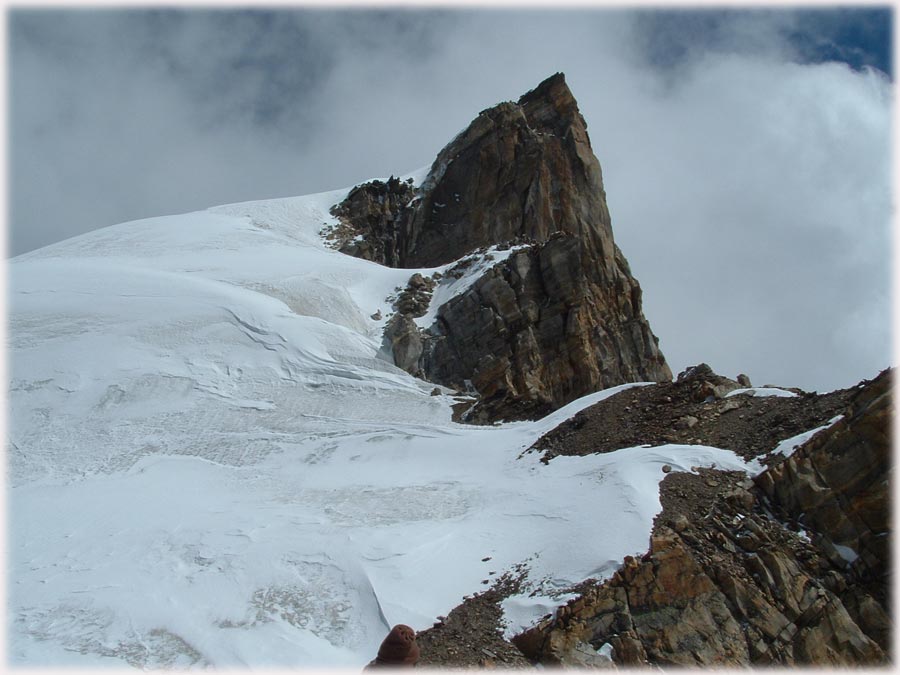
<point>738,572</point>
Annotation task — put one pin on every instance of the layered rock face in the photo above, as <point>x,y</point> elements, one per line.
<point>561,315</point>
<point>838,486</point>
<point>520,171</point>
<point>729,585</point>
<point>541,330</point>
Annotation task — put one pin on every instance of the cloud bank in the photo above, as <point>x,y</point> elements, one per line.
<point>749,187</point>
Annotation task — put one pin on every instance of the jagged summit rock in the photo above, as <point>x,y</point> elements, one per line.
<point>558,317</point>
<point>520,172</point>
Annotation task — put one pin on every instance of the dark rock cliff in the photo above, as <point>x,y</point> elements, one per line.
<point>540,330</point>
<point>520,171</point>
<point>561,316</point>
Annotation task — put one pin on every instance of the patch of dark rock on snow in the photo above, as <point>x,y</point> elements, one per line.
<point>402,336</point>
<point>692,411</point>
<point>471,635</point>
<point>415,298</point>
<point>368,220</point>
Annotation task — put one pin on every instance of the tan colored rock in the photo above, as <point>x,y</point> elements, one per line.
<point>406,342</point>
<point>686,422</point>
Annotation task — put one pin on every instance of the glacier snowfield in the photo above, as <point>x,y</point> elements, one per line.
<point>212,463</point>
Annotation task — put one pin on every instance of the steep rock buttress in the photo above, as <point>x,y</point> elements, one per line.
<point>561,316</point>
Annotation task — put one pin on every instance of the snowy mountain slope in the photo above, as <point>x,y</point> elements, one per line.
<point>211,464</point>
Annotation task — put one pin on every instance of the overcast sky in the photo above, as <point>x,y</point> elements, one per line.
<point>746,154</point>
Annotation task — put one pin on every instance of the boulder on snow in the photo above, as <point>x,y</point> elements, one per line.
<point>397,650</point>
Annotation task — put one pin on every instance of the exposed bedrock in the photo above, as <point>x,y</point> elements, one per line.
<point>733,585</point>
<point>540,330</point>
<point>520,171</point>
<point>561,316</point>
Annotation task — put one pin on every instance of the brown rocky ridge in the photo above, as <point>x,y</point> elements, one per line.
<point>693,409</point>
<point>791,567</point>
<point>558,315</point>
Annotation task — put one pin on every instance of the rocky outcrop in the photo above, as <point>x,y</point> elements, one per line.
<point>838,488</point>
<point>706,385</point>
<point>689,411</point>
<point>561,315</point>
<point>369,219</point>
<point>682,606</point>
<point>727,584</point>
<point>541,327</point>
<point>520,171</point>
<point>401,333</point>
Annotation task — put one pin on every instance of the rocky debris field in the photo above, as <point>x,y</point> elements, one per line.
<point>693,410</point>
<point>722,585</point>
<point>731,577</point>
<point>470,636</point>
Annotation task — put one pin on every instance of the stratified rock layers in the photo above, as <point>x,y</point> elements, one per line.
<point>542,328</point>
<point>520,171</point>
<point>734,587</point>
<point>561,317</point>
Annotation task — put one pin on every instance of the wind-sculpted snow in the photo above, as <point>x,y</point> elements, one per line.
<point>211,465</point>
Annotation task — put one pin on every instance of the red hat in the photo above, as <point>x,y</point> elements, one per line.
<point>399,648</point>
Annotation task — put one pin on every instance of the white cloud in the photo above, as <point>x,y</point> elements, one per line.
<point>766,190</point>
<point>750,194</point>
